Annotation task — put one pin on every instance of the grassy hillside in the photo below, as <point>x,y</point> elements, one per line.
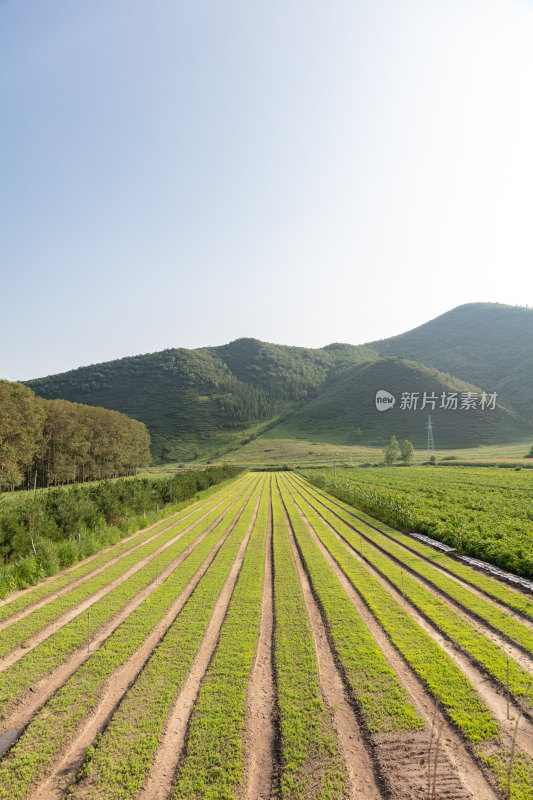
<point>204,403</point>
<point>488,344</point>
<point>345,412</point>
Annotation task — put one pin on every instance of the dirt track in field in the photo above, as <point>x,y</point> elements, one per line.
<point>380,766</point>
<point>364,777</point>
<point>33,641</point>
<point>159,782</point>
<point>122,552</point>
<point>259,733</point>
<point>68,764</point>
<point>487,688</point>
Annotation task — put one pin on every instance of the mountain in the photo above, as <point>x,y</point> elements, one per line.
<point>487,344</point>
<point>345,412</point>
<point>206,401</point>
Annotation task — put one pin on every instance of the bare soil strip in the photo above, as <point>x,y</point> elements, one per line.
<point>47,630</point>
<point>458,775</point>
<point>122,552</point>
<point>500,604</point>
<point>363,779</point>
<point>259,734</point>
<point>491,693</point>
<point>20,714</point>
<point>67,765</point>
<point>524,659</point>
<point>159,782</point>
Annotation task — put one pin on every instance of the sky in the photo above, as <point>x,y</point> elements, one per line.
<point>184,174</point>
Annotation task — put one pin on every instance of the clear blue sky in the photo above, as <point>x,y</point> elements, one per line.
<point>182,174</point>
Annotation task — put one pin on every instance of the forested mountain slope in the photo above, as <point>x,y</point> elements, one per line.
<point>209,400</point>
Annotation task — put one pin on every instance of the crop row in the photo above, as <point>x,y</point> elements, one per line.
<point>383,702</point>
<point>434,667</point>
<point>499,620</point>
<point>63,715</point>
<point>485,513</point>
<point>311,763</point>
<point>119,550</point>
<point>489,586</point>
<point>52,651</point>
<point>213,765</point>
<point>118,764</point>
<point>23,628</point>
<point>492,659</point>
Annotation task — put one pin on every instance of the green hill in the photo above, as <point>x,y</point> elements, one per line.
<point>487,344</point>
<point>200,402</point>
<point>205,402</point>
<point>346,413</point>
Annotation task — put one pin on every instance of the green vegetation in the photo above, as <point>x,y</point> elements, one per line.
<point>490,587</point>
<point>383,702</point>
<point>484,513</point>
<point>51,442</point>
<point>61,716</point>
<point>17,678</point>
<point>311,766</point>
<point>22,629</point>
<point>492,659</point>
<point>119,763</point>
<point>43,533</point>
<point>213,764</point>
<point>204,403</point>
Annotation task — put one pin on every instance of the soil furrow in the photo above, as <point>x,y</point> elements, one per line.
<point>115,687</point>
<point>259,735</point>
<point>454,757</point>
<point>159,782</point>
<point>499,604</point>
<point>496,637</point>
<point>24,708</point>
<point>494,699</point>
<point>363,779</point>
<point>63,619</point>
<point>123,551</point>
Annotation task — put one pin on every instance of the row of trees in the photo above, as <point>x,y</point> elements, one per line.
<point>393,452</point>
<point>53,442</point>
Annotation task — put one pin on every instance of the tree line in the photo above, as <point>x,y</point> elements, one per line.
<point>53,442</point>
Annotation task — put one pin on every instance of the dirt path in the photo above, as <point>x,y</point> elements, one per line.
<point>490,692</point>
<point>159,782</point>
<point>364,779</point>
<point>122,552</point>
<point>23,709</point>
<point>499,604</point>
<point>259,734</point>
<point>404,761</point>
<point>43,633</point>
<point>70,760</point>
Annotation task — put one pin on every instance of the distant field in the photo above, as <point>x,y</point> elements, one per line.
<point>485,513</point>
<point>267,450</point>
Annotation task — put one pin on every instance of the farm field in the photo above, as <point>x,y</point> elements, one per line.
<point>485,513</point>
<point>267,643</point>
